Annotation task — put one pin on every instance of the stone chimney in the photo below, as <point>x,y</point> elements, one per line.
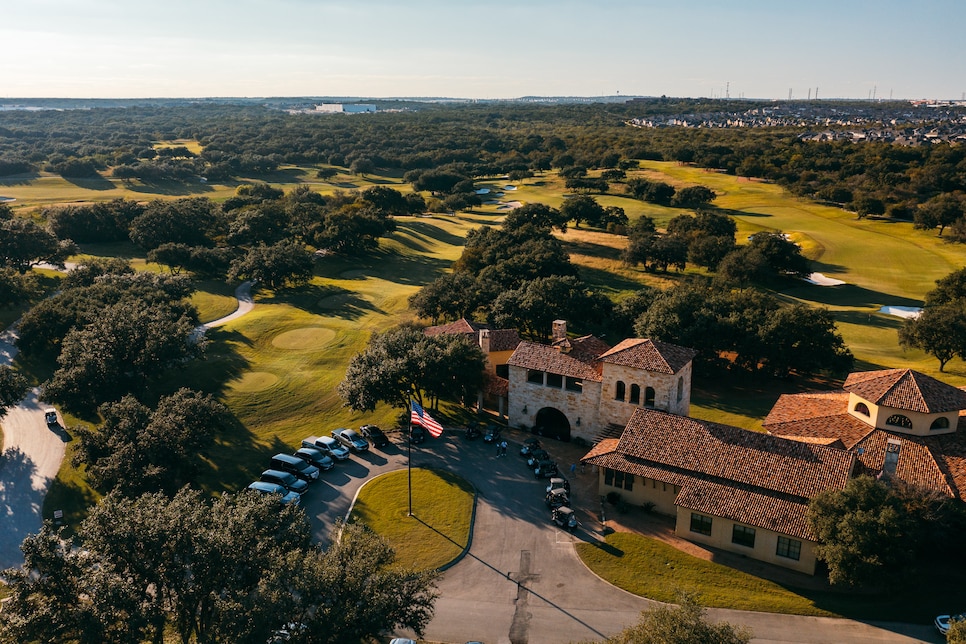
<point>484,340</point>
<point>559,330</point>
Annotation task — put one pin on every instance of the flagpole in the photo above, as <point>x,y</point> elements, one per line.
<point>409,459</point>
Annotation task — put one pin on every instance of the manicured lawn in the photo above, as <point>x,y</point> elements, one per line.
<point>439,529</point>
<point>653,569</point>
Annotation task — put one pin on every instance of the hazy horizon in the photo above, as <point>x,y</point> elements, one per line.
<point>850,49</point>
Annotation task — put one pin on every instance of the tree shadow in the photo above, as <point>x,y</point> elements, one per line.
<point>20,502</point>
<point>422,229</point>
<point>19,179</point>
<point>324,300</point>
<point>170,188</point>
<point>848,295</point>
<point>731,212</point>
<point>90,183</point>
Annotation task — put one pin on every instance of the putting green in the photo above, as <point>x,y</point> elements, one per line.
<point>253,381</point>
<point>311,337</point>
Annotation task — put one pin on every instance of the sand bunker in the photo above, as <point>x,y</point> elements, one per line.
<point>7,199</point>
<point>483,191</point>
<point>509,205</point>
<point>907,312</point>
<point>509,187</point>
<point>821,280</point>
<point>254,381</point>
<point>311,337</point>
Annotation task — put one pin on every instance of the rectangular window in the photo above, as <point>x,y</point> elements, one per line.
<point>608,476</point>
<point>554,380</point>
<point>789,548</point>
<point>535,376</point>
<point>700,524</point>
<point>619,479</point>
<point>503,370</point>
<point>574,384</point>
<point>628,482</point>
<point>743,536</point>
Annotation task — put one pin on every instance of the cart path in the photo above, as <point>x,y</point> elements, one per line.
<point>33,452</point>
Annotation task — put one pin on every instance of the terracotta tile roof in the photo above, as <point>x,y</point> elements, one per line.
<point>916,465</point>
<point>650,355</point>
<point>750,506</point>
<point>464,326</point>
<point>735,454</point>
<point>745,504</point>
<point>906,389</point>
<point>504,339</point>
<point>949,450</point>
<point>495,385</point>
<point>532,355</point>
<point>816,415</point>
<point>586,348</point>
<point>605,446</point>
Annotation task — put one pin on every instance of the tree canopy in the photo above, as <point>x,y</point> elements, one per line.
<point>235,569</point>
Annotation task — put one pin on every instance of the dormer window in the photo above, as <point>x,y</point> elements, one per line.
<point>891,456</point>
<point>862,408</point>
<point>940,423</point>
<point>898,420</point>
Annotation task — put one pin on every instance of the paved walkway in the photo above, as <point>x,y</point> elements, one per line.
<point>33,452</point>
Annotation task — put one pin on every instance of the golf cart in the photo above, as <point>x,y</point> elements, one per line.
<point>565,518</point>
<point>557,498</point>
<point>529,445</point>
<point>558,482</point>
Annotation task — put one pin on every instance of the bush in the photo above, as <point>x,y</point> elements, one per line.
<point>613,498</point>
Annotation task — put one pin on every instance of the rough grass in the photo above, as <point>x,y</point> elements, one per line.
<point>439,528</point>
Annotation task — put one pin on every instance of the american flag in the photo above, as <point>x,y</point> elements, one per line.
<point>419,416</point>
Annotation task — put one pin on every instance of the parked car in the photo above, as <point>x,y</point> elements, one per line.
<point>943,621</point>
<point>529,445</point>
<point>375,435</point>
<point>50,415</point>
<point>286,479</point>
<point>545,469</point>
<point>316,457</point>
<point>294,465</point>
<point>351,439</point>
<point>558,482</point>
<point>327,445</point>
<point>417,434</point>
<point>264,487</point>
<point>473,431</point>
<point>537,455</point>
<point>565,518</point>
<point>492,434</point>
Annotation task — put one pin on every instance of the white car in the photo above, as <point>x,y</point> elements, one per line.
<point>327,445</point>
<point>943,621</point>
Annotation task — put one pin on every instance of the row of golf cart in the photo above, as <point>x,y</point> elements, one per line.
<point>558,488</point>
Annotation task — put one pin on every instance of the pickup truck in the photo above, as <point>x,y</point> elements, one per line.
<point>327,445</point>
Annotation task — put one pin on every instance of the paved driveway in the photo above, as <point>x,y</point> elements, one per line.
<point>522,582</point>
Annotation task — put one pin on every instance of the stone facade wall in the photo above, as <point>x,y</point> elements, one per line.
<point>765,548</point>
<point>665,392</point>
<point>572,404</point>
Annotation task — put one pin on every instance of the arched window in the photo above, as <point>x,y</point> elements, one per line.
<point>648,396</point>
<point>862,409</point>
<point>621,391</point>
<point>898,420</point>
<point>940,423</point>
<point>680,389</point>
<point>635,394</point>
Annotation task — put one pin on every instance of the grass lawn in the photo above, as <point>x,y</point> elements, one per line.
<point>653,569</point>
<point>439,529</point>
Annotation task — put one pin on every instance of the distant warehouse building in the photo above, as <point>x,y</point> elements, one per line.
<point>343,108</point>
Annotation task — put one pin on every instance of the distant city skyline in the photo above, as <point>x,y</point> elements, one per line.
<point>498,49</point>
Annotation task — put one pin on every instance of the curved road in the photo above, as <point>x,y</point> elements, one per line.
<point>33,452</point>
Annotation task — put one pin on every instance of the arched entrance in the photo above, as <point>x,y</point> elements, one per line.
<point>552,422</point>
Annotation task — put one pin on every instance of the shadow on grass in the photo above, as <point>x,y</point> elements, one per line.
<point>329,301</point>
<point>873,320</point>
<point>19,179</point>
<point>608,280</point>
<point>170,188</point>
<point>592,250</point>
<point>424,229</point>
<point>731,212</point>
<point>90,183</point>
<point>848,295</point>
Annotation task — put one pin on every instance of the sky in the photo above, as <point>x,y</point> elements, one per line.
<point>473,49</point>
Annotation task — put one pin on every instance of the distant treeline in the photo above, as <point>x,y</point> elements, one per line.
<point>471,140</point>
